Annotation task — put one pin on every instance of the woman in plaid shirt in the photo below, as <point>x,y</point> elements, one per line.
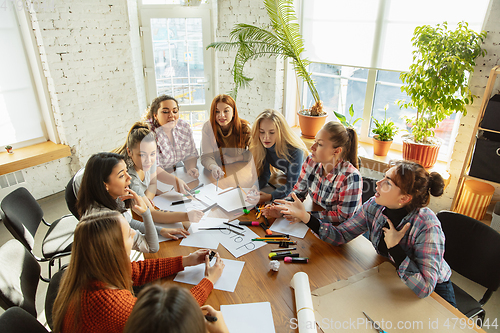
<point>329,175</point>
<point>174,136</point>
<point>399,226</point>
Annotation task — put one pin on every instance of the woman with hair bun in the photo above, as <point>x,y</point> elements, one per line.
<point>399,226</point>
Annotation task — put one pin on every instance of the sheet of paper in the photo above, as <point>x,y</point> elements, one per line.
<point>283,226</point>
<point>208,194</point>
<point>227,281</point>
<point>233,200</point>
<point>164,187</point>
<point>205,239</point>
<point>249,317</point>
<point>240,245</point>
<point>165,200</point>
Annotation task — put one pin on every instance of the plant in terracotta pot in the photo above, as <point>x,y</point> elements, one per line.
<point>438,84</point>
<point>9,149</point>
<point>281,39</point>
<point>384,131</point>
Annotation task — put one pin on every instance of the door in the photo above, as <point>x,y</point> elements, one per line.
<point>176,62</point>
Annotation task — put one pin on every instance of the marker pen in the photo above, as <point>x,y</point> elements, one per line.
<point>250,223</point>
<point>273,254</point>
<point>278,235</point>
<point>180,202</point>
<point>302,260</point>
<point>281,257</point>
<point>286,249</point>
<point>263,226</point>
<point>282,243</point>
<point>210,318</point>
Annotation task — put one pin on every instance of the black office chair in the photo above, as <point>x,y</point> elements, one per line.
<point>51,295</point>
<point>16,320</point>
<point>70,197</point>
<point>22,216</point>
<point>369,185</point>
<point>19,276</point>
<point>472,249</point>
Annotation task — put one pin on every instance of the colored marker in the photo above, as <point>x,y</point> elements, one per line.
<point>302,260</point>
<point>284,243</point>
<point>246,211</point>
<point>270,239</point>
<point>278,235</point>
<point>282,257</point>
<point>211,255</point>
<point>250,223</point>
<point>273,254</point>
<point>263,226</point>
<point>191,193</point>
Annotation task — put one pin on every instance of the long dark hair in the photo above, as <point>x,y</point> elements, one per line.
<point>155,105</point>
<point>92,189</point>
<point>160,310</point>
<point>98,254</point>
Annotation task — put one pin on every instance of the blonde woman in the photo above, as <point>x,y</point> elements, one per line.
<point>273,143</point>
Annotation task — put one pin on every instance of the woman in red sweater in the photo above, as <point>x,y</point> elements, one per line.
<point>96,291</point>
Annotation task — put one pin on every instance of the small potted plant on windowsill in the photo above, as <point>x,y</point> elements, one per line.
<point>384,131</point>
<point>438,84</point>
<point>9,149</point>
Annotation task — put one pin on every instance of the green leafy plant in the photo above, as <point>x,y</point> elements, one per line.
<point>281,39</point>
<point>437,81</point>
<point>8,147</point>
<point>343,119</point>
<point>385,129</point>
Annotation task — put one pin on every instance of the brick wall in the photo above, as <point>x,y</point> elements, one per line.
<point>266,89</point>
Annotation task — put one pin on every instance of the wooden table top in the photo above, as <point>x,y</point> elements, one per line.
<point>257,283</point>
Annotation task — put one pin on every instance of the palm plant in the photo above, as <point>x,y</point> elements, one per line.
<point>281,39</point>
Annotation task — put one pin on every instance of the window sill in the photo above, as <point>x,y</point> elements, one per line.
<point>30,156</point>
<point>381,163</point>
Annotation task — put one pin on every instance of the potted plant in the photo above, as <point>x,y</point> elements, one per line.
<point>437,83</point>
<point>384,131</point>
<point>9,149</point>
<point>281,39</point>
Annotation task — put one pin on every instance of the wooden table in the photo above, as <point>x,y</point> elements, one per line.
<point>257,283</point>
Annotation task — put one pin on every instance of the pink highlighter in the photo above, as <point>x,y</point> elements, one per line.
<point>302,260</point>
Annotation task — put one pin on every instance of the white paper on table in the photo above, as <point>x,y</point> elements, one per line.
<point>227,281</point>
<point>205,239</point>
<point>240,245</point>
<point>208,194</point>
<point>248,318</point>
<point>233,200</point>
<point>179,173</point>
<point>171,226</point>
<point>164,187</point>
<point>303,303</point>
<point>283,226</point>
<point>165,200</point>
<point>187,206</point>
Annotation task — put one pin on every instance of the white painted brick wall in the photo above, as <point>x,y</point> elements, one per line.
<point>266,89</point>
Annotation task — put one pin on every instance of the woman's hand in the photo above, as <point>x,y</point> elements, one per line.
<point>138,204</point>
<point>294,211</point>
<point>193,172</point>
<point>195,258</point>
<point>213,273</point>
<point>272,211</point>
<point>171,232</point>
<point>181,186</point>
<point>195,215</point>
<point>392,236</point>
<point>217,172</point>
<point>218,326</point>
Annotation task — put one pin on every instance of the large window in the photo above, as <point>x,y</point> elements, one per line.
<point>21,121</point>
<point>370,92</point>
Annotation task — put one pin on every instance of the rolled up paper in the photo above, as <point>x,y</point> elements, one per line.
<point>303,303</point>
